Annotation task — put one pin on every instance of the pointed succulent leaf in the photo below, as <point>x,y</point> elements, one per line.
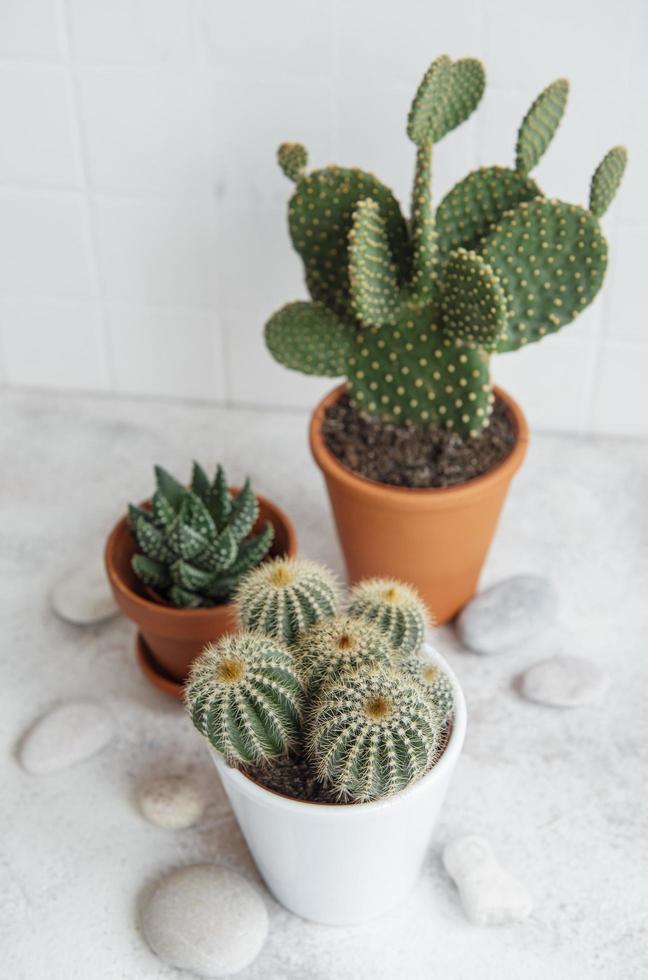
<point>163,512</point>
<point>245,510</point>
<point>220,554</point>
<point>169,487</point>
<point>606,180</point>
<point>372,272</point>
<point>550,259</point>
<point>434,380</point>
<point>134,513</point>
<point>150,572</point>
<point>539,126</point>
<point>219,500</point>
<point>473,303</point>
<point>292,158</point>
<point>467,212</point>
<point>221,587</point>
<point>188,576</point>
<point>200,484</point>
<point>196,514</point>
<point>184,598</point>
<point>309,338</point>
<point>449,92</point>
<point>184,540</point>
<point>252,551</point>
<point>152,541</point>
<point>320,216</point>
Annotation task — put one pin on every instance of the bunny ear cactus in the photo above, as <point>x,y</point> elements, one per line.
<point>411,311</point>
<point>195,544</point>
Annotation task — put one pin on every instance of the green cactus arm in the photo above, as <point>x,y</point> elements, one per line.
<point>184,598</point>
<point>449,92</point>
<point>476,203</point>
<point>219,501</point>
<point>422,230</point>
<point>169,487</point>
<point>152,541</point>
<point>372,272</point>
<point>293,159</point>
<point>320,215</point>
<point>539,126</point>
<point>416,373</point>
<point>200,484</point>
<point>245,510</point>
<point>606,180</point>
<point>309,338</point>
<point>473,304</point>
<point>550,258</point>
<point>150,572</point>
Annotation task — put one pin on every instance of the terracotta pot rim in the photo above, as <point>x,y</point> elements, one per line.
<point>166,611</point>
<point>417,497</point>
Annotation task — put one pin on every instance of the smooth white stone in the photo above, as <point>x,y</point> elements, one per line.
<point>206,919</point>
<point>563,682</point>
<point>70,733</point>
<point>489,894</point>
<point>83,597</point>
<point>172,802</point>
<point>508,614</point>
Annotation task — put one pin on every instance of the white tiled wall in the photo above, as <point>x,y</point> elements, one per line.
<point>142,214</point>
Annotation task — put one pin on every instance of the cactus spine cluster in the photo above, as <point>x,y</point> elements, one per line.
<point>195,543</point>
<point>245,696</point>
<point>395,608</point>
<point>349,693</point>
<point>284,598</point>
<point>410,311</point>
<point>371,734</point>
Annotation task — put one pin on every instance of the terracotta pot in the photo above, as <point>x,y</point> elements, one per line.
<point>175,637</point>
<point>435,539</point>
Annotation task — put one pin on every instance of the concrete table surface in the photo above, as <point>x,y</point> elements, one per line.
<point>560,794</point>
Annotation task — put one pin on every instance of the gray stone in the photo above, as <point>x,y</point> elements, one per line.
<point>563,682</point>
<point>83,596</point>
<point>490,895</point>
<point>172,802</point>
<point>70,733</point>
<point>206,919</point>
<point>508,614</point>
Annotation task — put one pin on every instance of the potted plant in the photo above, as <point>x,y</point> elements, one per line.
<point>174,562</point>
<point>418,447</point>
<point>335,736</point>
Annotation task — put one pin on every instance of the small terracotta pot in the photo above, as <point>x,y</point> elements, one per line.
<point>436,539</point>
<point>175,637</point>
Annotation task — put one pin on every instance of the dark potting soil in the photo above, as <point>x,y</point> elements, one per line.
<point>293,776</point>
<point>410,456</point>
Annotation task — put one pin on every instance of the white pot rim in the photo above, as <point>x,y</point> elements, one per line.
<point>350,811</point>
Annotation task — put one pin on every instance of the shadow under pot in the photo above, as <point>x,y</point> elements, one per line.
<point>170,638</point>
<point>436,539</point>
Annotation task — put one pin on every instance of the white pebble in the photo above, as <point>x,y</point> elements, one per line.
<point>563,682</point>
<point>508,614</point>
<point>206,919</point>
<point>83,597</point>
<point>489,894</point>
<point>70,733</point>
<point>172,802</point>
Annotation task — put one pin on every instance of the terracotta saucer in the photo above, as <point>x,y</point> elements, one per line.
<point>154,673</point>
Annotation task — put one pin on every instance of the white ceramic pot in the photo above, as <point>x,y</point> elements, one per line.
<point>343,864</point>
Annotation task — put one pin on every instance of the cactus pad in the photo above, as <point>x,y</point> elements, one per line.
<point>449,92</point>
<point>371,735</point>
<point>292,158</point>
<point>550,259</point>
<point>309,338</point>
<point>477,202</point>
<point>285,597</point>
<point>245,696</point>
<point>539,126</point>
<point>320,217</point>
<point>472,301</point>
<point>606,180</point>
<point>373,279</point>
<point>396,609</point>
<point>339,646</point>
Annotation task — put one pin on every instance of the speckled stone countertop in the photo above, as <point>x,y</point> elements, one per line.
<point>561,794</point>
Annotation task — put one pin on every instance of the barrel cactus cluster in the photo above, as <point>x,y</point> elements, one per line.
<point>195,543</point>
<point>346,691</point>
<point>410,311</point>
